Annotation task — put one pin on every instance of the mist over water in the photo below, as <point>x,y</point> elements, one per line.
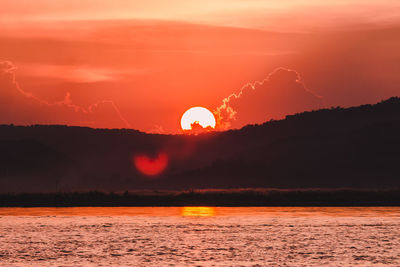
<point>204,236</point>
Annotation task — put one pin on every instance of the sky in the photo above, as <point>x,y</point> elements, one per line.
<point>142,64</point>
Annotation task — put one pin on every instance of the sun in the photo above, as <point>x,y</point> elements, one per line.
<point>197,116</point>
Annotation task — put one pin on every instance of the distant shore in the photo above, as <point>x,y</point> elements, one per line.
<point>211,197</point>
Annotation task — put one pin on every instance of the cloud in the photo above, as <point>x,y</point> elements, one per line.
<point>281,93</point>
<point>21,107</point>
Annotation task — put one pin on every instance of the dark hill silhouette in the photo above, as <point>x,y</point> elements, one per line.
<point>355,147</point>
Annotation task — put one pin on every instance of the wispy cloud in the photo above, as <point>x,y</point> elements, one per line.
<point>281,93</point>
<point>37,106</point>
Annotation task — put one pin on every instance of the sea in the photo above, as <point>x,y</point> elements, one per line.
<point>200,236</point>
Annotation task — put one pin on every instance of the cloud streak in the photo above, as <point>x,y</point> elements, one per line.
<point>12,91</point>
<point>281,93</point>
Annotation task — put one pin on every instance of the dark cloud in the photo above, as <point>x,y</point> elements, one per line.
<point>21,107</point>
<point>280,94</point>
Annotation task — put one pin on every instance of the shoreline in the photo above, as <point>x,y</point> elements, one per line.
<point>211,197</point>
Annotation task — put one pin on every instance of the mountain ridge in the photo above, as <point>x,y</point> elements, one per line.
<point>353,147</point>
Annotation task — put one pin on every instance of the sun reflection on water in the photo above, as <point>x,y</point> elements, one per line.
<point>198,211</point>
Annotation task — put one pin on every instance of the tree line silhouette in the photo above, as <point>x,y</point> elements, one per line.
<point>241,197</point>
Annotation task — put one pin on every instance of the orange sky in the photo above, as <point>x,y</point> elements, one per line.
<point>141,64</point>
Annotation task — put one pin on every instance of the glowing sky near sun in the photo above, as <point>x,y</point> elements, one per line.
<point>141,64</point>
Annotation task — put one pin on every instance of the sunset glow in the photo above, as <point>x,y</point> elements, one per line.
<point>139,64</point>
<point>120,119</point>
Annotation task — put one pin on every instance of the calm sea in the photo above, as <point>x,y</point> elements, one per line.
<point>199,236</point>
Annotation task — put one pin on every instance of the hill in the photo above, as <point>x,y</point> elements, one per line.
<point>354,147</point>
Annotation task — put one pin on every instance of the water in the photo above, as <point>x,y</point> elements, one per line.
<point>199,236</point>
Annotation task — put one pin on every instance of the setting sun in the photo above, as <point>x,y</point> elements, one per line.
<point>197,116</point>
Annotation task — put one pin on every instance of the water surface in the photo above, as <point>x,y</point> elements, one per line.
<point>162,236</point>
